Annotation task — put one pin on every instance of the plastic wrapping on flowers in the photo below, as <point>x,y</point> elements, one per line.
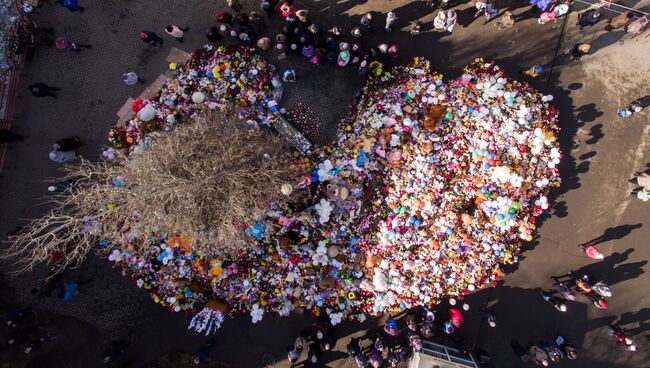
<point>428,190</point>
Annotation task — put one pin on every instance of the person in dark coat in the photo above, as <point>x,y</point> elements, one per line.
<point>67,144</point>
<point>151,38</point>
<point>22,335</point>
<point>212,34</point>
<point>225,17</point>
<point>42,90</point>
<point>14,318</point>
<point>115,349</point>
<point>203,352</point>
<point>589,18</point>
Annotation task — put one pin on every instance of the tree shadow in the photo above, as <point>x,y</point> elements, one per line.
<point>560,209</point>
<point>614,233</point>
<point>575,86</point>
<point>606,39</point>
<point>587,155</point>
<point>588,113</point>
<point>596,133</point>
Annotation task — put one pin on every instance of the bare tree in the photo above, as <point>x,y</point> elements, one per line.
<point>205,181</point>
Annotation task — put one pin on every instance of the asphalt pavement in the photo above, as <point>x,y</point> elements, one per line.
<point>602,153</point>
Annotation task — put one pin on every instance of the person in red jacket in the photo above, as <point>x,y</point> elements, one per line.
<point>456,317</point>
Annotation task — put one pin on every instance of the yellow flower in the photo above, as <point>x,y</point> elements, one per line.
<point>172,66</point>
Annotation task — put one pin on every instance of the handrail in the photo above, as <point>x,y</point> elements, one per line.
<point>609,4</point>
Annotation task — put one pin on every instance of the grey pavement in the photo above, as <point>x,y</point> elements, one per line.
<point>601,154</point>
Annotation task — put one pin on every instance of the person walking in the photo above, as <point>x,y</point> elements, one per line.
<point>390,20</point>
<point>366,21</point>
<point>554,301</point>
<point>618,334</point>
<point>588,18</point>
<point>131,78</point>
<point>115,349</point>
<point>151,38</point>
<point>65,43</point>
<point>538,355</point>
<point>579,50</point>
<point>176,32</point>
<point>7,136</point>
<point>619,21</point>
<point>203,352</point>
<point>507,20</point>
<point>72,5</point>
<point>35,345</point>
<point>566,347</point>
<point>42,90</point>
<point>16,317</point>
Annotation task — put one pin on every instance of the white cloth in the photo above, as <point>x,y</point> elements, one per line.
<point>62,156</point>
<point>130,78</point>
<point>390,19</point>
<point>451,20</point>
<point>175,32</point>
<point>440,21</point>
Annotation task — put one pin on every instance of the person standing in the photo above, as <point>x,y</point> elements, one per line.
<point>390,20</point>
<point>7,136</point>
<point>151,38</point>
<point>72,5</point>
<point>234,5</point>
<point>131,78</point>
<point>268,8</point>
<point>176,32</point>
<point>366,21</point>
<point>42,90</point>
<point>507,20</point>
<point>212,34</point>
<point>65,43</point>
<point>225,18</point>
<point>519,351</point>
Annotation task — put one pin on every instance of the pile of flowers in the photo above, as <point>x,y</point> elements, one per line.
<point>428,190</point>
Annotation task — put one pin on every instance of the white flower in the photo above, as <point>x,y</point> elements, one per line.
<point>324,209</point>
<point>324,170</point>
<point>257,313</point>
<point>320,257</point>
<point>208,320</point>
<point>335,318</point>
